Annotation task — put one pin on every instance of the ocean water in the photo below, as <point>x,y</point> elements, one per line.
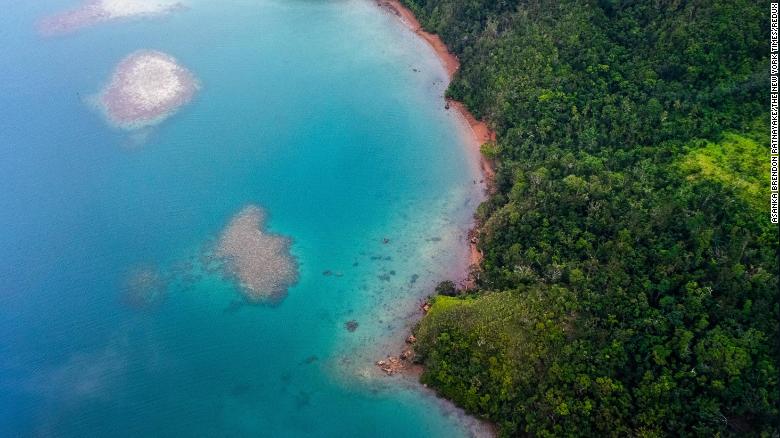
<point>329,115</point>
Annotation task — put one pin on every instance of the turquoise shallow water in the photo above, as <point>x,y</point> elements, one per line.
<point>312,110</point>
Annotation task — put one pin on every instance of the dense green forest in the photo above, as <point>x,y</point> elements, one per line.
<point>630,279</point>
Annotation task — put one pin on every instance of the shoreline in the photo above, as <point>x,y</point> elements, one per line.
<point>402,365</point>
<point>480,131</point>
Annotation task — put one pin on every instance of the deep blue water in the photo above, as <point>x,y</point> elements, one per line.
<point>312,110</point>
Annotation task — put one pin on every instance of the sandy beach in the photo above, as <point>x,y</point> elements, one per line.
<point>481,132</point>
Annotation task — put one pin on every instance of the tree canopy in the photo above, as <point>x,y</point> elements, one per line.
<point>630,278</point>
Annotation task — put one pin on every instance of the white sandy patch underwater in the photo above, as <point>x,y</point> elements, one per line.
<point>146,87</point>
<point>129,8</point>
<point>92,12</point>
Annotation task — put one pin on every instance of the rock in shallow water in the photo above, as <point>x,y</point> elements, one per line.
<point>351,325</point>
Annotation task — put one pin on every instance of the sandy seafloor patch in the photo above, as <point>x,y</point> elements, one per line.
<point>327,114</point>
<point>92,12</point>
<point>146,87</point>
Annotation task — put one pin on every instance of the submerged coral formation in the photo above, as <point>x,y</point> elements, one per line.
<point>144,287</point>
<point>259,260</point>
<point>146,87</point>
<point>96,11</point>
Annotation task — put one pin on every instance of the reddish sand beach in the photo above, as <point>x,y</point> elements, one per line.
<point>481,132</point>
<point>147,86</point>
<point>91,12</point>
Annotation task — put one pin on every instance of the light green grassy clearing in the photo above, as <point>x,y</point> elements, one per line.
<point>737,161</point>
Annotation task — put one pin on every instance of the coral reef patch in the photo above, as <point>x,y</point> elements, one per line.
<point>260,261</point>
<point>92,12</point>
<point>147,86</point>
